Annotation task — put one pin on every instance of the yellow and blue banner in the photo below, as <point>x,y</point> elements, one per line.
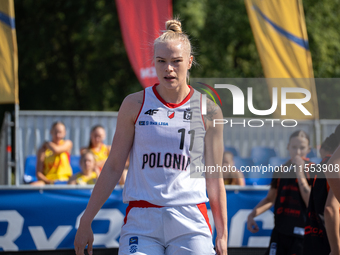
<point>8,54</point>
<point>281,38</point>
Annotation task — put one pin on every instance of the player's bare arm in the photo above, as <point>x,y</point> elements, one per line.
<point>212,110</point>
<point>112,169</point>
<point>302,181</point>
<point>333,177</point>
<point>215,185</point>
<point>60,148</point>
<point>264,205</point>
<point>331,214</point>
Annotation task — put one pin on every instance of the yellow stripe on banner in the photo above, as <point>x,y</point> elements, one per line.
<point>281,39</point>
<point>8,54</point>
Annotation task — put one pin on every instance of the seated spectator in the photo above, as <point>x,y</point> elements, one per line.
<point>88,173</point>
<point>53,158</point>
<point>231,177</point>
<point>98,148</point>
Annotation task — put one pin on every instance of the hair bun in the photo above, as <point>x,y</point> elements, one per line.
<point>174,25</point>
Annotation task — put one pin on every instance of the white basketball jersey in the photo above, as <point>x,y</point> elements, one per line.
<point>168,149</point>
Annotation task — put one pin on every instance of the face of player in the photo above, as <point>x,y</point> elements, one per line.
<point>172,61</point>
<point>58,133</point>
<point>298,146</point>
<point>97,136</point>
<point>88,163</point>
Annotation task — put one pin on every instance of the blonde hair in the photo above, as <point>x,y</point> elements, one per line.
<point>174,32</point>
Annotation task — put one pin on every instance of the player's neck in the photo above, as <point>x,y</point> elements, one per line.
<point>175,95</point>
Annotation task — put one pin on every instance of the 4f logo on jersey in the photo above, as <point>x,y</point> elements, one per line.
<point>171,114</point>
<point>151,111</point>
<point>187,114</point>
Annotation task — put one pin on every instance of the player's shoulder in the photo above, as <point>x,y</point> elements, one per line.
<point>132,104</point>
<point>213,112</point>
<point>134,98</point>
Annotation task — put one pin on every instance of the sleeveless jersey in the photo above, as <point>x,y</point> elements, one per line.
<point>102,154</point>
<point>167,152</point>
<point>289,208</point>
<point>57,166</point>
<point>84,179</point>
<point>316,241</point>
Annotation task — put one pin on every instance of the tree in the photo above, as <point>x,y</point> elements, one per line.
<point>71,56</point>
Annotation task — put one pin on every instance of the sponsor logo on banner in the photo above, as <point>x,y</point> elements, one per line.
<point>21,231</point>
<point>171,114</point>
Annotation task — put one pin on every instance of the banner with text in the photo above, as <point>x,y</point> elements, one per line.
<point>141,22</point>
<point>48,219</point>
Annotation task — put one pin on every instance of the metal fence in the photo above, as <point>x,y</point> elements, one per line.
<point>34,129</point>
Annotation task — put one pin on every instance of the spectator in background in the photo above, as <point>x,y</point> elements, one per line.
<point>231,177</point>
<point>88,173</point>
<point>53,158</point>
<point>289,193</point>
<point>99,149</point>
<point>322,225</point>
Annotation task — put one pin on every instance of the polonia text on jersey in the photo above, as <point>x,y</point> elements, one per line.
<point>168,160</point>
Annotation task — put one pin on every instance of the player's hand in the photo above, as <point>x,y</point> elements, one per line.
<point>297,160</point>
<point>83,237</point>
<point>252,225</point>
<point>221,246</point>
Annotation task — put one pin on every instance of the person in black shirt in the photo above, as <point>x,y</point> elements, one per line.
<point>322,225</point>
<point>289,193</point>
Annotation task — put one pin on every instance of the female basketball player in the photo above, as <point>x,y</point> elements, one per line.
<point>163,130</point>
<point>290,199</point>
<point>333,173</point>
<point>322,225</point>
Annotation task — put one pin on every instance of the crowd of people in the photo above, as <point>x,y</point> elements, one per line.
<point>54,167</point>
<point>53,158</point>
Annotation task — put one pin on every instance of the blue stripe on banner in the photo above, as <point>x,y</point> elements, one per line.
<point>289,36</point>
<point>7,20</point>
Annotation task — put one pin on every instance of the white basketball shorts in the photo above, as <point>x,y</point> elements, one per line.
<point>155,230</point>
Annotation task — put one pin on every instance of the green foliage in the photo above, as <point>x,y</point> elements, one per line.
<point>72,57</point>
